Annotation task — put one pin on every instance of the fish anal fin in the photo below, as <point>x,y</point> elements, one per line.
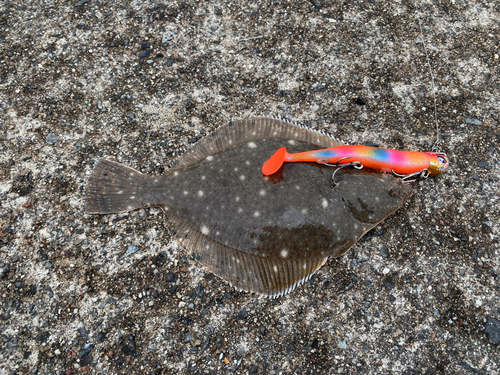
<point>268,276</point>
<point>250,129</point>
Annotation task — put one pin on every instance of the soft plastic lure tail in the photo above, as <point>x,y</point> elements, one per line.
<point>404,163</point>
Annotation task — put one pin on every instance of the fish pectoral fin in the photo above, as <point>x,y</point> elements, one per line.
<point>269,276</point>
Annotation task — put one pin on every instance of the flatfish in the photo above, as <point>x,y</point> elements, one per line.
<point>263,234</point>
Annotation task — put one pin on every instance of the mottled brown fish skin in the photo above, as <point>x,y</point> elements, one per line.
<point>262,234</point>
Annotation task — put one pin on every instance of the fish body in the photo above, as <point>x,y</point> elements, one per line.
<point>260,234</point>
<point>400,162</point>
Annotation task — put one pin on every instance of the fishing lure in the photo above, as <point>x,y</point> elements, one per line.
<point>406,164</point>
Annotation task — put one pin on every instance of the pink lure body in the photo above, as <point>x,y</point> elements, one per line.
<point>401,162</point>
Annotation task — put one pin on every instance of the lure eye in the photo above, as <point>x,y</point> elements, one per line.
<point>441,159</point>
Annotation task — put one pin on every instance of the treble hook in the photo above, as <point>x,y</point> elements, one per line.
<point>355,164</point>
<point>412,177</point>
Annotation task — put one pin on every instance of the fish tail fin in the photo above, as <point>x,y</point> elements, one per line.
<point>113,187</point>
<point>275,162</point>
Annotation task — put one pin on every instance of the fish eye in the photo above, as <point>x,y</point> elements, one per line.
<point>441,159</point>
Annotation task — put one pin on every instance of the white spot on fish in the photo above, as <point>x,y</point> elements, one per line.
<point>204,230</point>
<point>275,269</point>
<point>256,214</point>
<point>132,197</point>
<point>305,266</point>
<point>236,169</point>
<point>131,174</point>
<point>237,199</point>
<point>210,158</point>
<point>186,192</point>
<point>247,162</point>
<point>242,177</point>
<point>156,180</point>
<point>251,145</point>
<point>297,187</point>
<point>240,210</point>
<point>291,142</point>
<point>203,177</point>
<point>217,233</point>
<point>176,173</point>
<point>262,192</point>
<point>120,192</point>
<point>129,207</point>
<point>284,253</point>
<point>304,211</point>
<point>200,193</point>
<point>324,203</point>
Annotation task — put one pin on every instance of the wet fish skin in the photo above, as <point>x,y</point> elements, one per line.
<point>262,234</point>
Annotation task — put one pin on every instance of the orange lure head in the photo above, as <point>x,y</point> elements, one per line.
<point>438,163</point>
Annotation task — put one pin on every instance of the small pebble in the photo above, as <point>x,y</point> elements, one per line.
<point>168,37</point>
<point>492,331</point>
<point>130,250</point>
<point>81,2</point>
<point>51,138</point>
<point>473,121</point>
<point>242,315</point>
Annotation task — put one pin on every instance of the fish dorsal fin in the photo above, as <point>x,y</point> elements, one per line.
<point>250,129</point>
<point>268,276</point>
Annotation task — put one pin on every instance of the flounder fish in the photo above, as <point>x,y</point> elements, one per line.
<point>263,234</point>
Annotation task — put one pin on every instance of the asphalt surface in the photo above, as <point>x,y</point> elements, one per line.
<point>139,81</point>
